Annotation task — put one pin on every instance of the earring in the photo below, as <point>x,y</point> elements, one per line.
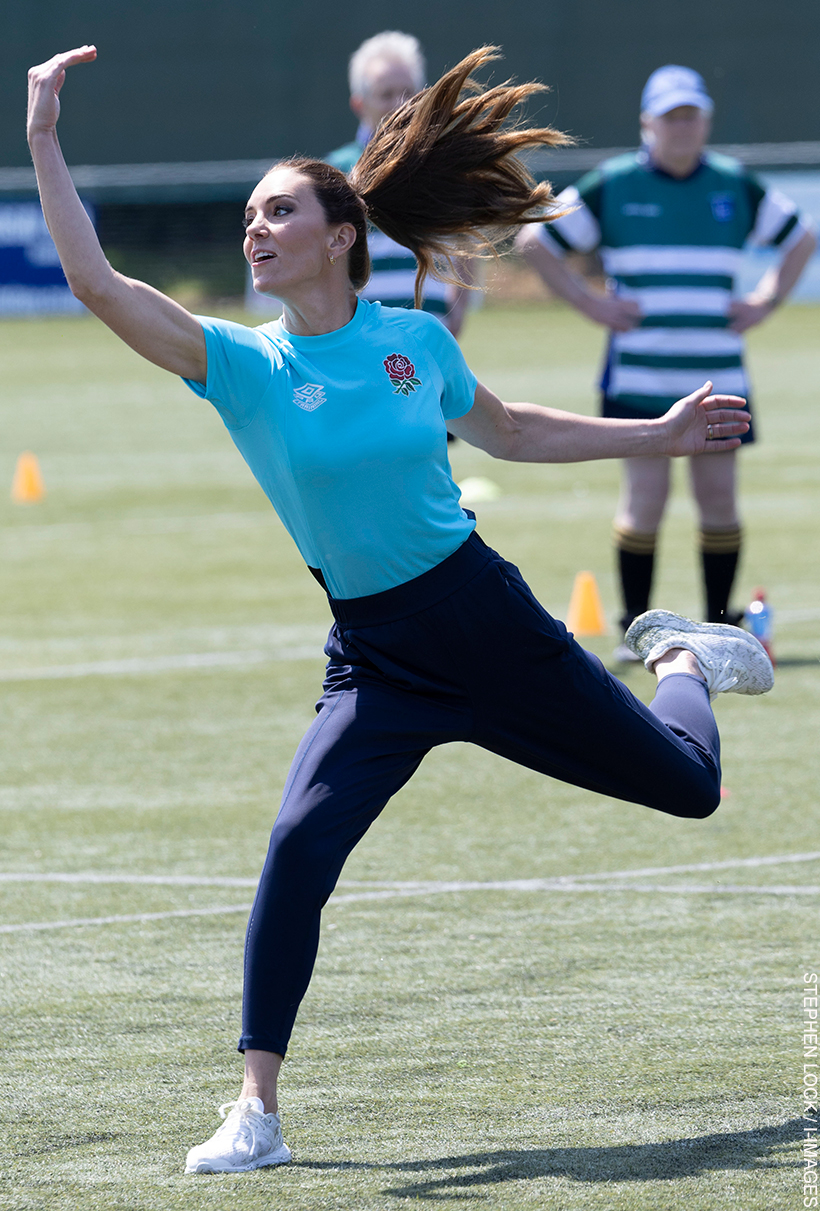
<point>332,259</point>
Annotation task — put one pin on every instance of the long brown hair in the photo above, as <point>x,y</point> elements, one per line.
<point>441,175</point>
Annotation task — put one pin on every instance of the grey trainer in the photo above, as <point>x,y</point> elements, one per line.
<point>248,1139</point>
<point>731,660</point>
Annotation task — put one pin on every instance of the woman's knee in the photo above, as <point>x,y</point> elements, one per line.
<point>692,799</point>
<point>297,850</point>
<point>300,870</point>
<point>705,805</point>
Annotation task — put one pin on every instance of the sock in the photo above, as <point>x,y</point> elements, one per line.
<point>636,563</point>
<point>719,553</point>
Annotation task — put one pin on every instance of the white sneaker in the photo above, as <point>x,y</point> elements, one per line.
<point>731,660</point>
<point>248,1139</point>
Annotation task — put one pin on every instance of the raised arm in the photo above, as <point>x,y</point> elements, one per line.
<point>699,424</point>
<point>152,324</point>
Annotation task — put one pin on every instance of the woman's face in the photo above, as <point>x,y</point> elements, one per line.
<point>288,241</point>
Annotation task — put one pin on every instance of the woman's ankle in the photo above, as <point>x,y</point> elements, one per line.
<point>261,1078</point>
<point>677,660</point>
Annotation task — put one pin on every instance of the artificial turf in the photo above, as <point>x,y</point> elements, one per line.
<point>627,1044</point>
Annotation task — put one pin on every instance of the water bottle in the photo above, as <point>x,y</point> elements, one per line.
<point>759,621</point>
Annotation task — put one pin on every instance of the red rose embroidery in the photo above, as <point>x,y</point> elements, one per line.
<point>402,373</point>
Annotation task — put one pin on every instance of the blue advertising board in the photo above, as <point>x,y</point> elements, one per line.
<point>31,279</point>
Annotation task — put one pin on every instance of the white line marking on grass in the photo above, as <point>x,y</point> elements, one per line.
<point>141,525</point>
<point>128,919</point>
<point>695,889</point>
<point>686,868</point>
<point>768,860</point>
<point>391,886</point>
<point>600,882</point>
<point>433,889</point>
<point>151,880</point>
<point>567,885</point>
<point>386,887</point>
<point>140,665</point>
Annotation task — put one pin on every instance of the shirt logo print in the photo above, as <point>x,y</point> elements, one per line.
<point>723,206</point>
<point>309,397</point>
<point>402,373</point>
<point>642,210</point>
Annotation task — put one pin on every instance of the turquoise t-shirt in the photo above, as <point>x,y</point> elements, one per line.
<point>346,434</point>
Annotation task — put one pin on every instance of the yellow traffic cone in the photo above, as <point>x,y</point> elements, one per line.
<point>586,614</point>
<point>27,487</point>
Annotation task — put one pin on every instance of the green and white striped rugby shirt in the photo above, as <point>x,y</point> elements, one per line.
<point>675,247</point>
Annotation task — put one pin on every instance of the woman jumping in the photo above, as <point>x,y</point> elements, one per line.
<point>341,410</point>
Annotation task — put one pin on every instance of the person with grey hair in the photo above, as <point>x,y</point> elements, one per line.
<point>384,71</point>
<point>670,222</point>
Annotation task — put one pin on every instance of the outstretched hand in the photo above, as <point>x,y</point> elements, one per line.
<point>705,424</point>
<point>44,84</point>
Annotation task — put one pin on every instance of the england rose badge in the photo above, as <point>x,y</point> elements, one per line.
<point>402,373</point>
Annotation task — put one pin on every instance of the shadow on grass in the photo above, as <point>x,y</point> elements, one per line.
<point>53,1143</point>
<point>664,1161</point>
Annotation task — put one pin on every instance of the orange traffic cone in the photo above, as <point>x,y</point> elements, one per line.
<point>586,614</point>
<point>27,487</point>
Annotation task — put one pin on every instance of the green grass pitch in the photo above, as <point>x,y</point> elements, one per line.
<point>623,1043</point>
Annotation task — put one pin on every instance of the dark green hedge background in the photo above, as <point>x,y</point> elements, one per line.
<point>209,80</point>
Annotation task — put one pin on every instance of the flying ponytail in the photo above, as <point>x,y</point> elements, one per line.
<point>442,177</point>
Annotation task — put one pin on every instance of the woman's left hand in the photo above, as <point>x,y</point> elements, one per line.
<point>705,424</point>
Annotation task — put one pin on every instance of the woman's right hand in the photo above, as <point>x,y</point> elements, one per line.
<point>44,84</point>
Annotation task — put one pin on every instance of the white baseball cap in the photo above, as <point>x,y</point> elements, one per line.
<point>671,86</point>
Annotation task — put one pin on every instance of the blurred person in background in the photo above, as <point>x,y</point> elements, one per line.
<point>383,73</point>
<point>670,222</point>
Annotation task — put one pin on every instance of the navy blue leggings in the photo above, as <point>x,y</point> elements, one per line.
<point>463,652</point>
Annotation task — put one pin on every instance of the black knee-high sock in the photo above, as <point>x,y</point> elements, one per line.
<point>719,553</point>
<point>636,563</point>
